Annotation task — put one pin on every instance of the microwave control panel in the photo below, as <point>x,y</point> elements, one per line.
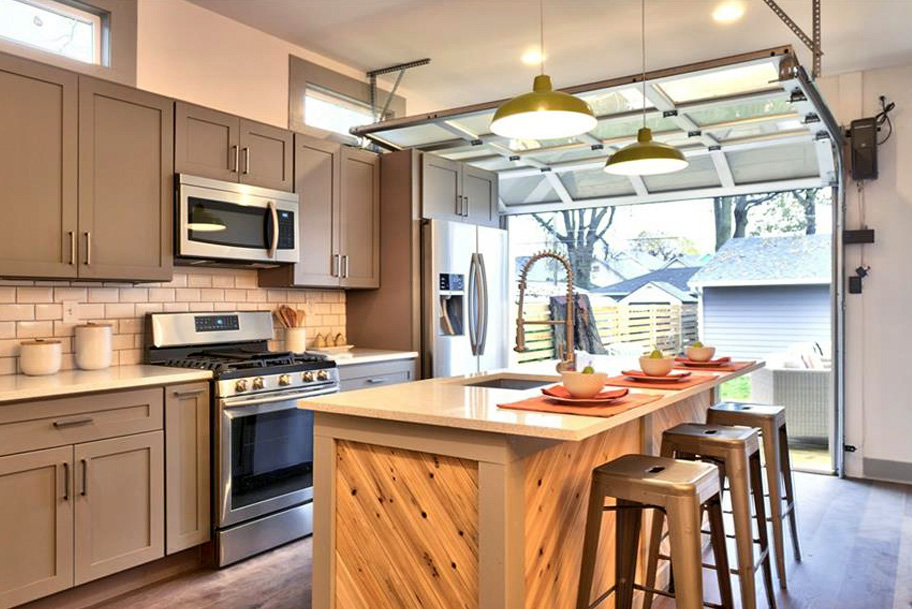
<point>286,230</point>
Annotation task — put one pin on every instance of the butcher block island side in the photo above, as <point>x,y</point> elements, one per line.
<point>430,495</point>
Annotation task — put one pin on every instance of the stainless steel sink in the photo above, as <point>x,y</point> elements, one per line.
<point>509,383</point>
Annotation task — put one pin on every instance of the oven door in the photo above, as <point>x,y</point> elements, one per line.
<point>264,455</point>
<point>244,223</point>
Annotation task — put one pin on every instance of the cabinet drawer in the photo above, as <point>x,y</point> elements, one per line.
<point>43,424</point>
<point>367,376</point>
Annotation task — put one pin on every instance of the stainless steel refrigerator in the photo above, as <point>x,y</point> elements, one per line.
<point>465,298</point>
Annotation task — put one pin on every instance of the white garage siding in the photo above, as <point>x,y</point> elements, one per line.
<point>751,322</point>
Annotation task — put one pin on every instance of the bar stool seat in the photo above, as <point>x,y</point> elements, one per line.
<point>736,452</point>
<point>770,419</point>
<point>679,489</point>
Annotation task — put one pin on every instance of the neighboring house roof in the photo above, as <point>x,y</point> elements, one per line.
<point>799,259</point>
<point>688,260</point>
<point>677,277</point>
<point>678,294</point>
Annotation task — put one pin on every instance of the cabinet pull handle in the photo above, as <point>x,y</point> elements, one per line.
<point>85,478</point>
<point>236,155</point>
<point>188,394</point>
<point>66,481</point>
<point>458,205</point>
<point>72,248</point>
<point>73,422</point>
<point>336,265</point>
<point>375,381</point>
<point>345,266</point>
<point>246,160</point>
<point>88,237</point>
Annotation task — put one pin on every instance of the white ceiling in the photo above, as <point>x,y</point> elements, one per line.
<point>475,45</point>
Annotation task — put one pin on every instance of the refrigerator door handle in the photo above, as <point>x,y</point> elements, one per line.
<point>472,305</point>
<point>483,306</point>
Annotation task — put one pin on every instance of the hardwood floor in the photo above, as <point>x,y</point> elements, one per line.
<point>856,541</point>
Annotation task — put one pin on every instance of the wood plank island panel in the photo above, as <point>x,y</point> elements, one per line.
<point>406,529</point>
<point>688,410</point>
<point>557,484</point>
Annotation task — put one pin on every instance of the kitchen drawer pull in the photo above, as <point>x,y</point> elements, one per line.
<point>73,422</point>
<point>72,248</point>
<point>376,381</point>
<point>85,478</point>
<point>66,481</point>
<point>188,394</point>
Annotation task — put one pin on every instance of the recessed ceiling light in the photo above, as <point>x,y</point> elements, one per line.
<point>532,57</point>
<point>728,12</point>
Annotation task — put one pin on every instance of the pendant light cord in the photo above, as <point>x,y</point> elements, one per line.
<point>643,43</point>
<point>541,35</point>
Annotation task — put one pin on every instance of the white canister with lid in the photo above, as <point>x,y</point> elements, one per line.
<point>93,346</point>
<point>40,357</point>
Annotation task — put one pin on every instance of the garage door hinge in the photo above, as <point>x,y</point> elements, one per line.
<point>849,448</point>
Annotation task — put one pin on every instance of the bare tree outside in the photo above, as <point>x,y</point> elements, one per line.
<point>582,229</point>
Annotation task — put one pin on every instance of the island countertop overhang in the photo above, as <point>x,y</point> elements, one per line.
<point>449,402</point>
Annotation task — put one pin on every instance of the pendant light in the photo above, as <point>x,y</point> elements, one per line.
<point>645,157</point>
<point>543,114</point>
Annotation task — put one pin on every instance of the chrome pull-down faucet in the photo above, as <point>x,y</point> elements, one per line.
<point>567,353</point>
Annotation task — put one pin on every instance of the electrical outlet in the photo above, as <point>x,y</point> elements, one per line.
<point>70,312</point>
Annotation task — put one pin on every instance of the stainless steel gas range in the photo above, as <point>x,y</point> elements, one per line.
<point>263,445</point>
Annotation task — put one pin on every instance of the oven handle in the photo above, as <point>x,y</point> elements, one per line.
<point>274,215</point>
<point>235,402</point>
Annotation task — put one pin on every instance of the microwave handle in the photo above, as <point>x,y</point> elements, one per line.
<point>274,216</point>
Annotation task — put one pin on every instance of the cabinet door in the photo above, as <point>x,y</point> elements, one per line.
<point>187,468</point>
<point>360,219</point>
<point>317,182</point>
<point>36,525</point>
<point>120,497</point>
<point>126,170</point>
<point>266,156</point>
<point>479,193</point>
<point>38,117</point>
<point>441,188</point>
<point>206,142</point>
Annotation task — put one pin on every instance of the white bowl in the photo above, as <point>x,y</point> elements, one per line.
<point>700,354</point>
<point>655,366</point>
<point>581,385</point>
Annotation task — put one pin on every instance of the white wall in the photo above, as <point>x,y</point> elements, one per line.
<point>878,322</point>
<point>190,53</point>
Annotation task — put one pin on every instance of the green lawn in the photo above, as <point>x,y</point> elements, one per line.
<point>738,389</point>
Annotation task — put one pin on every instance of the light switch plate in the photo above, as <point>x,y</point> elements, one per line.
<point>70,312</point>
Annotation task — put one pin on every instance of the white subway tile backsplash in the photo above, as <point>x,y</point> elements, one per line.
<point>33,309</point>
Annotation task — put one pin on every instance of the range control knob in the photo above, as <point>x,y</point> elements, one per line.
<point>308,377</point>
<point>258,382</point>
<point>241,385</point>
<point>284,380</point>
<point>322,375</point>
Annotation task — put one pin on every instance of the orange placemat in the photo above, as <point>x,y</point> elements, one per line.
<point>695,379</point>
<point>727,367</point>
<point>541,403</point>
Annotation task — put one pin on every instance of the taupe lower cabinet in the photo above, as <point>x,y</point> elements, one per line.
<point>339,192</point>
<point>222,146</point>
<point>187,466</point>
<point>93,161</point>
<point>83,490</point>
<point>457,192</point>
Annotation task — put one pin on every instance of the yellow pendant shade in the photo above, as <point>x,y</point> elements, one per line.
<point>646,157</point>
<point>543,114</point>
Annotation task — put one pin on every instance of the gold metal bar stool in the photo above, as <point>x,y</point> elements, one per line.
<point>771,422</point>
<point>736,451</point>
<point>681,490</point>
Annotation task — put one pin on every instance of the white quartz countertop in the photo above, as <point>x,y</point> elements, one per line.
<point>18,387</point>
<point>450,402</point>
<point>359,355</point>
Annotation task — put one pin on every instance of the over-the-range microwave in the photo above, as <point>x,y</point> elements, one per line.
<point>226,223</point>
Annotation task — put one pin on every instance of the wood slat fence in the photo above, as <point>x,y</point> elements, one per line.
<point>621,327</point>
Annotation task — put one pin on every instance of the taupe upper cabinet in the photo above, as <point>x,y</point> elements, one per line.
<point>360,222</point>
<point>222,146</point>
<point>126,173</point>
<point>38,120</point>
<point>453,191</point>
<point>339,192</point>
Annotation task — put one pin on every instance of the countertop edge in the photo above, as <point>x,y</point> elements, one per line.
<point>372,358</point>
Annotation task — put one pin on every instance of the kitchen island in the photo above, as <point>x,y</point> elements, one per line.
<point>429,495</point>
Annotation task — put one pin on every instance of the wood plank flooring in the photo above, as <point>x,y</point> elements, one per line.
<point>856,540</point>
